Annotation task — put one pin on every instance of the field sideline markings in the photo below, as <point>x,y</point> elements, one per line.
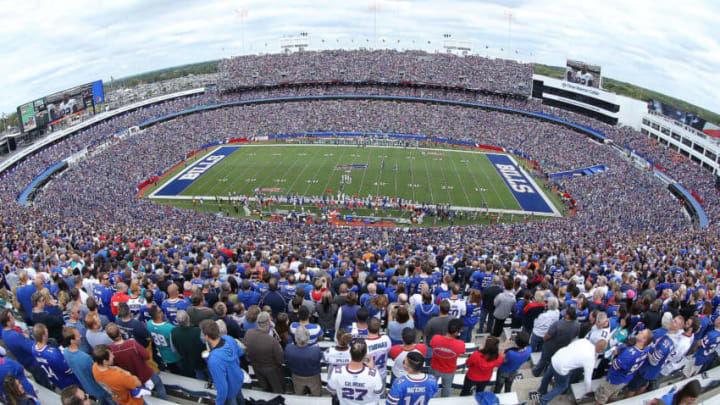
<point>186,169</point>
<point>537,187</point>
<point>494,189</point>
<point>442,171</point>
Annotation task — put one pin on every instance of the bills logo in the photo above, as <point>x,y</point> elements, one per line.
<point>515,179</point>
<point>201,167</point>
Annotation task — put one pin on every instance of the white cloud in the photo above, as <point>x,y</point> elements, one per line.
<point>49,46</point>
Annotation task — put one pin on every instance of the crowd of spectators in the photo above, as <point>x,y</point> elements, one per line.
<point>91,269</point>
<point>475,72</point>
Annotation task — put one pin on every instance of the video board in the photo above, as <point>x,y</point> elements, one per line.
<point>57,106</point>
<point>583,73</point>
<point>677,114</point>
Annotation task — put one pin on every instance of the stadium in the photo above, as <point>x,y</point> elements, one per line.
<point>358,226</point>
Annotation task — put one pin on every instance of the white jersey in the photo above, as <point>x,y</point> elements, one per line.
<point>458,307</point>
<point>676,358</point>
<point>335,357</point>
<point>362,387</point>
<point>134,304</point>
<point>597,334</point>
<point>379,349</point>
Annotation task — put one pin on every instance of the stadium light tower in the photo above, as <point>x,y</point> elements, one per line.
<point>242,13</point>
<point>374,6</point>
<point>510,17</point>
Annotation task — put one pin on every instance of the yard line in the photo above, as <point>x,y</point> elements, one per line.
<point>429,181</point>
<point>412,177</point>
<point>362,179</point>
<point>442,171</point>
<point>232,183</point>
<point>320,167</point>
<point>327,184</point>
<point>492,184</point>
<point>472,174</point>
<point>462,184</point>
<point>291,188</point>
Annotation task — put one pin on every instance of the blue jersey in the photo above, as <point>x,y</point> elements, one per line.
<point>171,307</point>
<point>413,390</point>
<point>314,330</point>
<point>626,364</point>
<point>472,312</point>
<point>708,344</point>
<point>103,295</point>
<point>52,362</point>
<point>656,358</point>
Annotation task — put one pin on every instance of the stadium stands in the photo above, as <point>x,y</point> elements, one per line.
<point>628,252</point>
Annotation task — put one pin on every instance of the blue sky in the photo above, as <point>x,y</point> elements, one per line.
<point>667,46</point>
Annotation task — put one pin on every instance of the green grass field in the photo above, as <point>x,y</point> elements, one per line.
<point>459,177</point>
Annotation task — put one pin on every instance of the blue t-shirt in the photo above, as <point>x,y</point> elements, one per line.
<point>708,345</point>
<point>303,361</point>
<point>81,365</point>
<point>626,364</point>
<point>514,359</point>
<point>472,312</point>
<point>656,357</point>
<point>412,389</point>
<point>103,295</point>
<point>20,347</point>
<point>423,313</point>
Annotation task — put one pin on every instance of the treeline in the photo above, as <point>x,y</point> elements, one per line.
<point>636,92</point>
<point>166,74</point>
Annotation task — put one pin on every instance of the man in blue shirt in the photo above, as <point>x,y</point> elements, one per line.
<point>416,387</point>
<point>304,363</point>
<point>704,351</point>
<point>173,304</point>
<point>81,365</point>
<point>624,367</point>
<point>103,295</point>
<point>51,360</point>
<point>647,376</point>
<point>273,298</point>
<point>224,365</point>
<point>24,294</point>
<point>20,346</point>
<point>314,330</point>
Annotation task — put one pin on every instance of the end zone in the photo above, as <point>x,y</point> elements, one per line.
<point>185,178</point>
<point>523,186</point>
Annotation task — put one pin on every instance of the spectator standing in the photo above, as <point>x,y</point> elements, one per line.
<point>326,311</point>
<point>53,322</point>
<point>314,330</point>
<point>415,387</point>
<point>273,298</point>
<point>81,365</point>
<point>488,304</point>
<point>161,333</point>
<point>130,327</point>
<point>425,311</point>
<point>118,382</point>
<point>480,365</point>
<point>51,359</point>
<point>75,321</point>
<point>580,354</point>
<point>198,312</point>
<point>704,350</point>
<point>95,334</point>
<point>21,347</point>
<point>303,361</point>
<point>223,365</point>
<point>503,303</point>
<point>356,383</point>
<point>189,346</point>
<point>514,359</point>
<point>439,324</point>
<point>399,352</point>
<point>542,324</point>
<point>338,355</point>
<point>398,320</point>
<point>446,350</point>
<point>647,376</point>
<point>623,367</point>
<point>560,334</point>
<point>265,355</point>
<point>131,356</point>
<point>378,347</point>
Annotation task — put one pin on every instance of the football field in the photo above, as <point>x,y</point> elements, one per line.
<point>468,179</point>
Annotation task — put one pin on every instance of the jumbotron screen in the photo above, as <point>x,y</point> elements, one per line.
<point>583,73</point>
<point>677,114</point>
<point>57,106</point>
